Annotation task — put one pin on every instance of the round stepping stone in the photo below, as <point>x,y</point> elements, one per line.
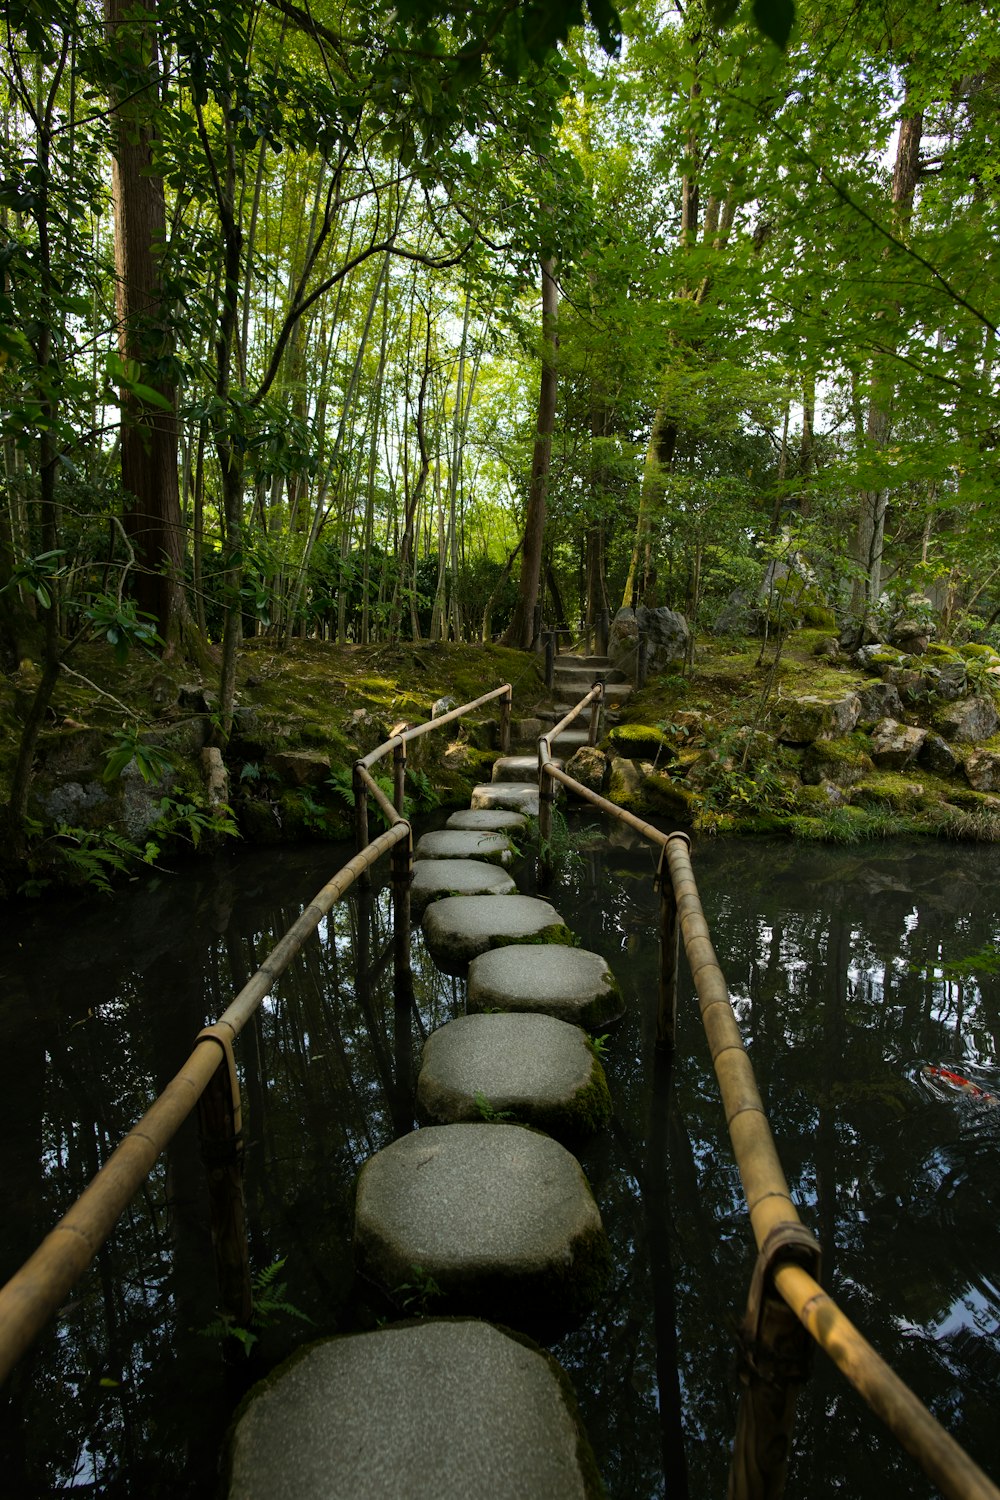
<point>457,928</point>
<point>498,1217</point>
<point>568,983</point>
<point>517,768</point>
<point>518,796</point>
<point>438,1410</point>
<point>532,1069</point>
<point>457,843</point>
<point>487,820</point>
<point>434,878</point>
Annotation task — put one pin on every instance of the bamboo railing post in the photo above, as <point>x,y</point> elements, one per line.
<point>595,715</point>
<point>603,633</point>
<point>220,1125</point>
<point>360,821</point>
<point>776,1356</point>
<point>506,704</point>
<point>550,659</point>
<point>402,876</point>
<point>399,778</point>
<point>670,941</point>
<point>546,797</point>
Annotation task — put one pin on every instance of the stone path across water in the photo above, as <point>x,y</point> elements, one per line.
<point>490,1217</point>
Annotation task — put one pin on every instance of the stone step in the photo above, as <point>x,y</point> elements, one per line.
<point>588,675</point>
<point>577,688</point>
<point>515,768</point>
<point>438,1410</point>
<point>458,928</point>
<point>458,843</point>
<point>435,878</point>
<point>516,796</point>
<point>487,820</point>
<point>498,1217</point>
<point>528,1068</point>
<point>568,983</point>
<point>592,663</point>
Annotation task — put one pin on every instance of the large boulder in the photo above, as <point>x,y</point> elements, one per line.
<point>895,745</point>
<point>589,766</point>
<point>968,720</point>
<point>938,756</point>
<point>666,633</point>
<point>982,769</point>
<point>879,700</point>
<point>836,763</point>
<point>802,720</point>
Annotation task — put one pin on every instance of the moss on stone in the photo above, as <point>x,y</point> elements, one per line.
<point>639,741</point>
<point>889,789</point>
<point>820,616</point>
<point>977,651</point>
<point>939,652</point>
<point>669,798</point>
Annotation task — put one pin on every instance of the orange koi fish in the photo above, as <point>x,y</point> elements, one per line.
<point>956,1081</point>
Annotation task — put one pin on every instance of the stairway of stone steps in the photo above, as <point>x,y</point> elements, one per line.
<point>484,1212</point>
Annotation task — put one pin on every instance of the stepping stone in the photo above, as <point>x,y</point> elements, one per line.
<point>436,1410</point>
<point>498,1217</point>
<point>457,928</point>
<point>434,878</point>
<point>487,820</point>
<point>568,983</point>
<point>531,1069</point>
<point>517,796</point>
<point>456,843</point>
<point>515,768</point>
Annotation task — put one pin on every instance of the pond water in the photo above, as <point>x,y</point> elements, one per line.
<point>850,971</point>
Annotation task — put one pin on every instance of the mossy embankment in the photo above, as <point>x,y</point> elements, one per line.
<point>815,743</point>
<point>304,716</point>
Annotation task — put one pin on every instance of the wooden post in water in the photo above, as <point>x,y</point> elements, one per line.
<point>546,797</point>
<point>775,1362</point>
<point>506,704</point>
<point>670,933</point>
<point>595,715</point>
<point>361,822</point>
<point>402,876</point>
<point>220,1123</point>
<point>399,778</point>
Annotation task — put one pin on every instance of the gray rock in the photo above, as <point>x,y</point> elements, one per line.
<point>458,928</point>
<point>442,706</point>
<point>938,756</point>
<point>516,796</point>
<point>982,770</point>
<point>300,767</point>
<point>589,766</point>
<point>458,843</point>
<point>568,983</point>
<point>435,878</point>
<point>826,763</point>
<point>499,1216</point>
<point>895,746</point>
<point>879,700</point>
<point>968,720</point>
<point>912,636</point>
<point>952,681</point>
<point>528,1068</point>
<point>439,1410</point>
<point>801,720</point>
<point>525,731</point>
<point>666,633</point>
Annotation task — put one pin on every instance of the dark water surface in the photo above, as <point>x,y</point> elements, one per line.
<point>849,971</point>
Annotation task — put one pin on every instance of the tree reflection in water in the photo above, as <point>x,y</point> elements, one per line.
<point>846,972</point>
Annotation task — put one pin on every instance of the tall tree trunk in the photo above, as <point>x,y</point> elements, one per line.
<point>870,537</point>
<point>152,517</point>
<point>521,631</point>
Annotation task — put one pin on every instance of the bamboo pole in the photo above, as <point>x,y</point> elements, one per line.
<point>36,1291</point>
<point>506,704</point>
<point>937,1452</point>
<point>412,734</point>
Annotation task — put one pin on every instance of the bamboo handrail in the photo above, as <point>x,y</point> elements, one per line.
<point>769,1202</point>
<point>36,1291</point>
<point>406,735</point>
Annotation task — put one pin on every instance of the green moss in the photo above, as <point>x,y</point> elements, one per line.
<point>639,741</point>
<point>819,616</point>
<point>976,651</point>
<point>889,789</point>
<point>939,652</point>
<point>670,799</point>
